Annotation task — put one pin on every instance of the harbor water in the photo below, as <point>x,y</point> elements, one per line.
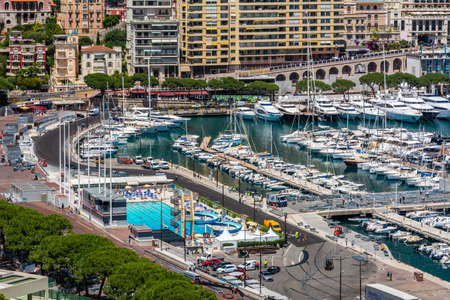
<point>265,137</point>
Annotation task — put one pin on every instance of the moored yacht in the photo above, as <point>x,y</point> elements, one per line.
<point>323,106</point>
<point>398,111</point>
<point>244,113</point>
<point>441,104</point>
<point>347,111</point>
<point>266,111</point>
<point>416,103</point>
<point>288,110</point>
<point>367,110</point>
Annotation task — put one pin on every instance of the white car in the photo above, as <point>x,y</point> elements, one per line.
<point>249,265</point>
<point>227,269</point>
<point>138,160</point>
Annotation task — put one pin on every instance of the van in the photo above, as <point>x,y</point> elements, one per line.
<point>272,223</point>
<point>192,276</point>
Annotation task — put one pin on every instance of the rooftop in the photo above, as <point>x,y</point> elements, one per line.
<point>17,284</point>
<point>32,186</point>
<point>97,48</point>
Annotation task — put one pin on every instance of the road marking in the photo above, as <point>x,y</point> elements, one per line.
<point>84,225</point>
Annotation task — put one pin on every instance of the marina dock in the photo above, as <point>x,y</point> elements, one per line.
<point>425,230</point>
<point>298,183</point>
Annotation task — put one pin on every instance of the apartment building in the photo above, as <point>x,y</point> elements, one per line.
<point>224,35</point>
<point>365,20</point>
<point>65,70</point>
<point>82,17</point>
<point>152,37</point>
<point>24,53</point>
<point>100,59</point>
<point>21,12</point>
<point>420,21</point>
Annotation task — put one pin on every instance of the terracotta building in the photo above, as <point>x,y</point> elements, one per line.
<point>20,12</point>
<point>82,17</point>
<point>24,53</point>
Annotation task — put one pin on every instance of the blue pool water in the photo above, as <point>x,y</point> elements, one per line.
<point>148,213</point>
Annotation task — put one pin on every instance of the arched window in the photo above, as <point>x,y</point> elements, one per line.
<point>41,6</point>
<point>6,5</point>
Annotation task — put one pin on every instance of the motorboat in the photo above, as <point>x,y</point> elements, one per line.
<point>347,111</point>
<point>418,104</point>
<point>244,113</point>
<point>323,106</point>
<point>266,111</point>
<point>288,110</point>
<point>439,103</point>
<point>367,110</point>
<point>398,111</point>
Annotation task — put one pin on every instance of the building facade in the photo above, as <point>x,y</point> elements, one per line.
<point>220,35</point>
<point>428,62</point>
<point>20,12</point>
<point>82,17</point>
<point>100,59</point>
<point>367,20</point>
<point>96,205</point>
<point>24,53</point>
<point>420,21</point>
<point>65,70</point>
<point>152,37</point>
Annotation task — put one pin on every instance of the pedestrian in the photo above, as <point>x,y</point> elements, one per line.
<point>296,235</point>
<point>387,276</point>
<point>265,263</point>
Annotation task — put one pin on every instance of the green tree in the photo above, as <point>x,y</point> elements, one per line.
<point>372,80</point>
<point>97,81</point>
<point>143,78</point>
<point>84,41</point>
<point>116,37</point>
<point>215,84</point>
<point>434,79</point>
<point>110,21</point>
<point>100,264</point>
<point>2,297</point>
<point>396,79</point>
<point>314,86</point>
<point>178,289</point>
<point>51,28</point>
<point>115,81</point>
<point>231,84</point>
<point>341,86</point>
<point>5,84</point>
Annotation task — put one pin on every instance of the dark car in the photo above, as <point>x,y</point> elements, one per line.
<point>243,253</point>
<point>273,269</point>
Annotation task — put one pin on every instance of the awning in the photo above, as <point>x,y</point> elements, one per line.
<point>38,107</point>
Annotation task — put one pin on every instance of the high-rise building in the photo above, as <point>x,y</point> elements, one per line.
<point>24,53</point>
<point>152,37</point>
<point>65,70</point>
<point>82,17</point>
<point>225,35</point>
<point>22,12</point>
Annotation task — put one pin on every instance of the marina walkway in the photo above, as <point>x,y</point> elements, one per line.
<point>412,225</point>
<point>289,180</point>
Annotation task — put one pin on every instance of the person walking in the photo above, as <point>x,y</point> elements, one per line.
<point>265,263</point>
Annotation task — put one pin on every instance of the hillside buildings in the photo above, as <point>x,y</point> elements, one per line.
<point>100,59</point>
<point>152,38</point>
<point>21,12</point>
<point>65,70</point>
<point>82,17</point>
<point>23,53</point>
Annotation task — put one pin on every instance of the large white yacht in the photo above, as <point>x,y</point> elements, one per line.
<point>346,111</point>
<point>439,103</point>
<point>288,110</point>
<point>323,106</point>
<point>412,100</point>
<point>367,110</point>
<point>396,110</point>
<point>245,113</point>
<point>266,111</point>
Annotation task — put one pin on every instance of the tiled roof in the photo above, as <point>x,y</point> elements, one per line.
<point>98,48</point>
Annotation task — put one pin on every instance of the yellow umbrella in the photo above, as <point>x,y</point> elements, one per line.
<point>128,187</point>
<point>147,185</point>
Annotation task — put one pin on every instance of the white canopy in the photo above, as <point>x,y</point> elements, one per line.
<point>225,237</point>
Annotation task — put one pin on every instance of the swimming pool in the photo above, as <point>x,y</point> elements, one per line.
<point>148,213</point>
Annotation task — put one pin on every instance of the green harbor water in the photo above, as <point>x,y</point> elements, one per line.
<point>265,137</point>
<point>406,253</point>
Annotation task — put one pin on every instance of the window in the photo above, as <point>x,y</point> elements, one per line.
<point>88,65</point>
<point>110,64</point>
<point>6,5</point>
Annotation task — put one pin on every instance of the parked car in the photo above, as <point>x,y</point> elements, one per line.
<point>227,269</point>
<point>273,269</point>
<point>250,265</point>
<point>138,160</point>
<point>266,276</point>
<point>220,265</point>
<point>211,262</point>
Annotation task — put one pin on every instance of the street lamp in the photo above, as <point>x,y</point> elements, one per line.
<point>360,259</point>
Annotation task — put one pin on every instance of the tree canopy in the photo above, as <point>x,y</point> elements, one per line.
<point>372,80</point>
<point>262,87</point>
<point>398,78</point>
<point>341,86</point>
<point>143,78</point>
<point>97,81</point>
<point>110,21</point>
<point>433,79</point>
<point>314,85</point>
<point>116,37</point>
<point>84,41</point>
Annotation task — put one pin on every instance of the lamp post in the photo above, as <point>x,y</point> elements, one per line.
<point>360,259</point>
